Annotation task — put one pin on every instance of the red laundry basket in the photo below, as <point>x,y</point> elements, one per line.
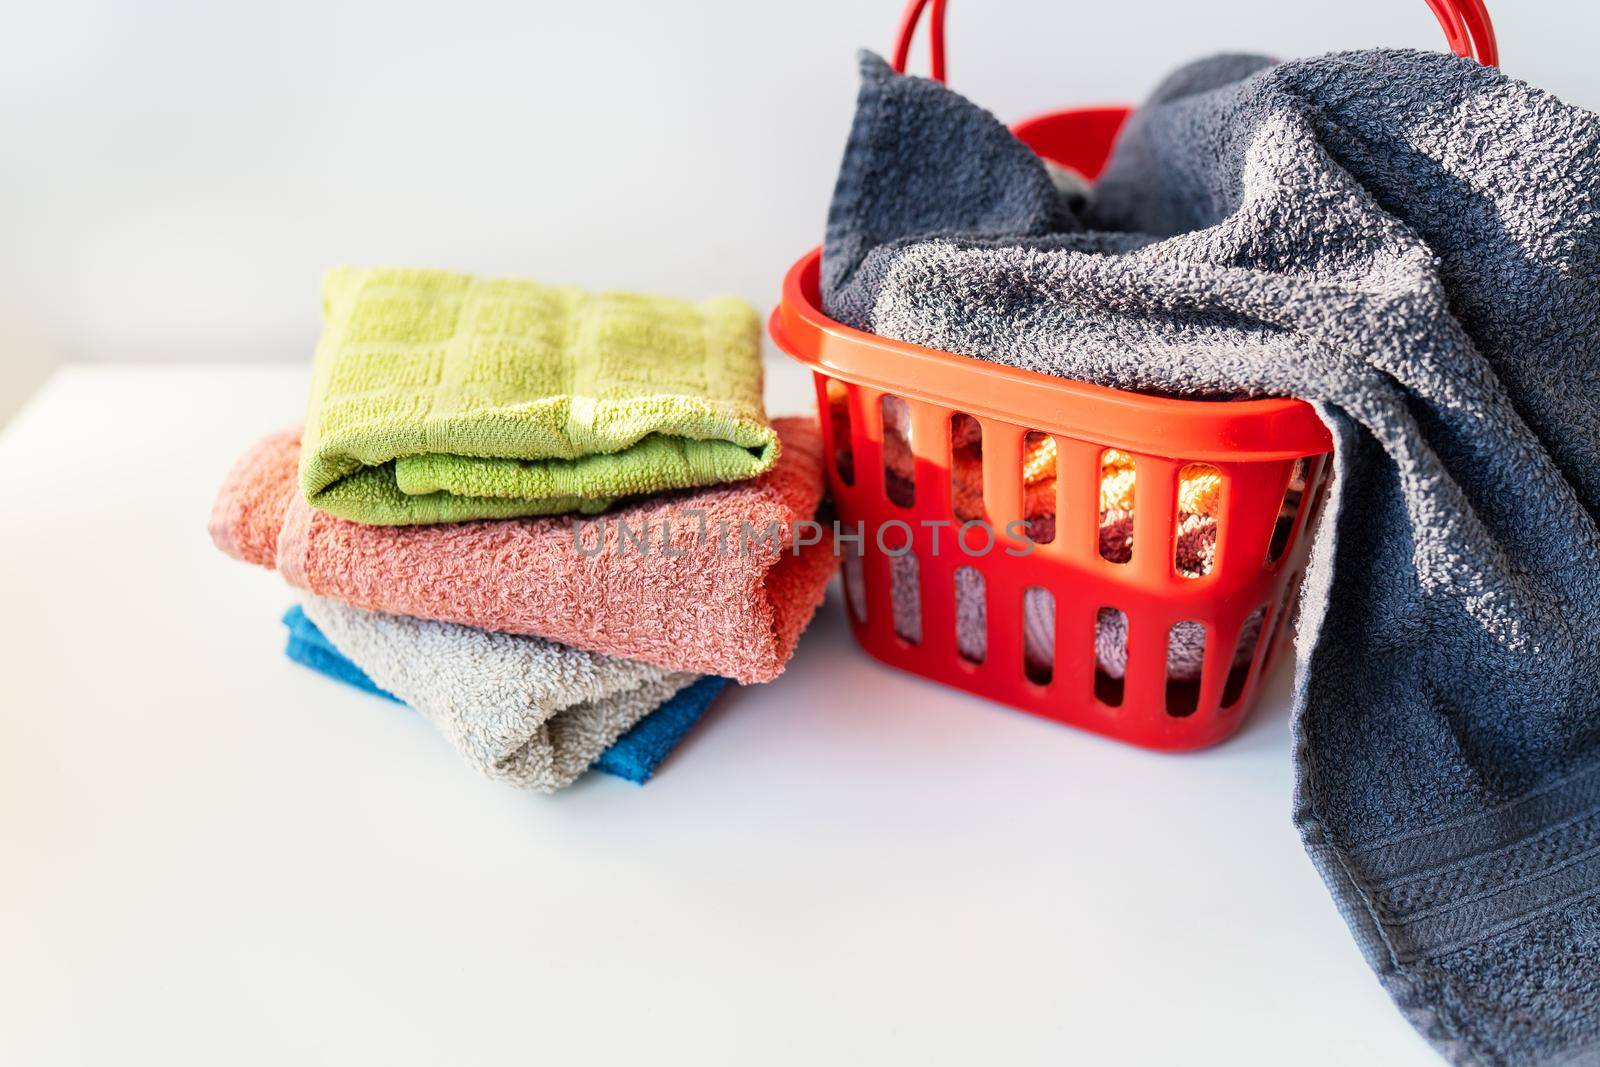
<point>1270,456</point>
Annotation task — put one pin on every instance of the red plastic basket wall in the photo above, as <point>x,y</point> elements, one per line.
<point>1272,457</point>
<point>1252,444</point>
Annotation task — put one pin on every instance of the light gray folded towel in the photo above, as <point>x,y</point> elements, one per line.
<point>521,710</point>
<point>1411,242</point>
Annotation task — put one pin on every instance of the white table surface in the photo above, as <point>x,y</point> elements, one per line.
<point>211,855</point>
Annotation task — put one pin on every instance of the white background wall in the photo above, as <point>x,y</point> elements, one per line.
<point>175,175</point>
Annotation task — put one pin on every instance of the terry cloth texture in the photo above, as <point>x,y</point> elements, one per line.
<point>711,581</point>
<point>634,756</point>
<point>438,397</point>
<point>1412,243</point>
<point>520,710</point>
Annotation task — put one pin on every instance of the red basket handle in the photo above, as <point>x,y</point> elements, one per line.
<point>1485,48</point>
<point>1466,24</point>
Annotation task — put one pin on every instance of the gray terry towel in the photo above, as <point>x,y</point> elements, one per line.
<point>521,710</point>
<point>1411,242</point>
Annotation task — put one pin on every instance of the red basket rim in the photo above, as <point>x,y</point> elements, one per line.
<point>1264,429</point>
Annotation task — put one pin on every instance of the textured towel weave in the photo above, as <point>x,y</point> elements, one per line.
<point>1411,242</point>
<point>711,601</point>
<point>439,397</point>
<point>520,710</point>
<point>634,756</point>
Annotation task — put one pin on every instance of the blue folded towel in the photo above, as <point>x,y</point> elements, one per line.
<point>308,647</point>
<point>633,756</point>
<point>637,753</point>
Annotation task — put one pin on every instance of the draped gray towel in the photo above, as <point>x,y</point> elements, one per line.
<point>1411,242</point>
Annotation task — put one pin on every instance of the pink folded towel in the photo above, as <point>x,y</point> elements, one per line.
<point>714,600</point>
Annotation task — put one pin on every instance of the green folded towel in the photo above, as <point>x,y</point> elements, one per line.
<point>439,397</point>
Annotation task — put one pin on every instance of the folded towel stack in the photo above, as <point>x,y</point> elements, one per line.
<point>441,515</point>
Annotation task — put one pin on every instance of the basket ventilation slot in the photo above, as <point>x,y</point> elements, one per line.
<point>972,623</point>
<point>1110,651</point>
<point>1038,634</point>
